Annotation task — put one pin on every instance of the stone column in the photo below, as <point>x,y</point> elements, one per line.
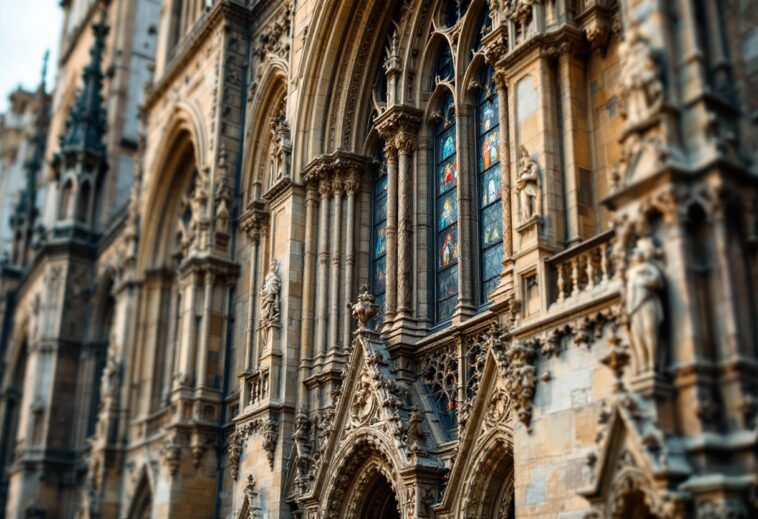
<point>351,186</point>
<point>188,332</point>
<point>505,164</point>
<point>202,356</point>
<point>306,332</point>
<point>251,301</point>
<point>322,311</point>
<point>467,229</point>
<point>575,137</point>
<point>405,143</point>
<point>390,153</point>
<point>334,290</point>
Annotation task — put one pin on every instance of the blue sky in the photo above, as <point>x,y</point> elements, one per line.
<point>27,29</point>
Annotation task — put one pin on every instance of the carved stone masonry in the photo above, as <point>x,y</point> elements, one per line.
<point>641,89</point>
<point>644,306</point>
<point>529,186</point>
<point>270,295</point>
<point>238,439</point>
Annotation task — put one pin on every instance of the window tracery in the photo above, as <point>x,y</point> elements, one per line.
<point>440,375</point>
<point>379,235</point>
<point>488,168</point>
<point>446,212</point>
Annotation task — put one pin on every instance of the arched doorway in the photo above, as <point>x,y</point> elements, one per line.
<point>380,501</point>
<point>489,492</point>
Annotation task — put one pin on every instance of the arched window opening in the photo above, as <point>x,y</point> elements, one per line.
<point>488,169</point>
<point>446,212</point>
<point>68,188</point>
<point>82,208</point>
<point>453,10</point>
<point>379,234</point>
<point>443,68</point>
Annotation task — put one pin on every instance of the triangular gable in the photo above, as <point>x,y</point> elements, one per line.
<point>490,420</point>
<point>629,461</point>
<point>371,403</point>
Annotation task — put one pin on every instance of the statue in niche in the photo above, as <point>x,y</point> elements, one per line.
<point>281,147</point>
<point>111,376</point>
<point>272,285</point>
<point>644,307</point>
<point>640,78</point>
<point>528,186</point>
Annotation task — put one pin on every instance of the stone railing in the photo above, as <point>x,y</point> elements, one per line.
<point>582,268</point>
<point>257,388</point>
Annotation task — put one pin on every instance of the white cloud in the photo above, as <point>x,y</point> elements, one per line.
<point>27,29</point>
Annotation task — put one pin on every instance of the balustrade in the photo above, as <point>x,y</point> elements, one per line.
<point>581,268</point>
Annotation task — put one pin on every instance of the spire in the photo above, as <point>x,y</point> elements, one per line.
<point>86,123</point>
<point>25,211</point>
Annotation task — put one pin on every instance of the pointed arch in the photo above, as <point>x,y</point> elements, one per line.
<point>141,506</point>
<point>176,158</point>
<point>268,102</point>
<point>364,457</point>
<point>338,75</point>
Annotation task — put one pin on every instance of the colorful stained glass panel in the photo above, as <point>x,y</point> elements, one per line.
<point>447,283</point>
<point>492,225</point>
<point>380,240</point>
<point>488,116</point>
<point>488,151</point>
<point>492,262</point>
<point>490,187</point>
<point>446,146</point>
<point>380,275</point>
<point>447,176</point>
<point>447,211</point>
<point>447,248</point>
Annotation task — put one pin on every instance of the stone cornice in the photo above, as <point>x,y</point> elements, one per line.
<point>328,164</point>
<point>398,118</point>
<point>224,11</point>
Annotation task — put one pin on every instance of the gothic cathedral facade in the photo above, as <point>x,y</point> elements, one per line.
<point>384,259</point>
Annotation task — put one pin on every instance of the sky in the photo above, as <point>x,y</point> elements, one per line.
<point>27,29</point>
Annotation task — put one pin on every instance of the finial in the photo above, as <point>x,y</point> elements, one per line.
<point>364,309</point>
<point>45,59</point>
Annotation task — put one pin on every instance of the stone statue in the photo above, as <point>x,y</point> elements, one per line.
<point>528,186</point>
<point>644,283</point>
<point>272,285</point>
<point>111,376</point>
<point>640,78</point>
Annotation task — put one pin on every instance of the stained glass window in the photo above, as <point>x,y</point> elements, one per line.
<point>446,213</point>
<point>379,235</point>
<point>488,166</point>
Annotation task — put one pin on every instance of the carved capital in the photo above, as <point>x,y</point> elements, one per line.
<point>405,142</point>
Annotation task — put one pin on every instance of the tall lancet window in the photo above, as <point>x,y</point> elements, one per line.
<point>379,234</point>
<point>488,167</point>
<point>446,212</point>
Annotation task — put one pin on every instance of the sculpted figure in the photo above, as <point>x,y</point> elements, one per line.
<point>640,78</point>
<point>272,285</point>
<point>528,185</point>
<point>644,283</point>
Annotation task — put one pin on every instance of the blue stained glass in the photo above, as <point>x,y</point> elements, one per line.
<point>492,262</point>
<point>488,115</point>
<point>447,147</point>
<point>380,240</point>
<point>446,308</point>
<point>492,225</point>
<point>447,174</point>
<point>380,276</point>
<point>447,248</point>
<point>380,209</point>
<point>447,211</point>
<point>489,154</point>
<point>490,286</point>
<point>447,283</point>
<point>490,187</point>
